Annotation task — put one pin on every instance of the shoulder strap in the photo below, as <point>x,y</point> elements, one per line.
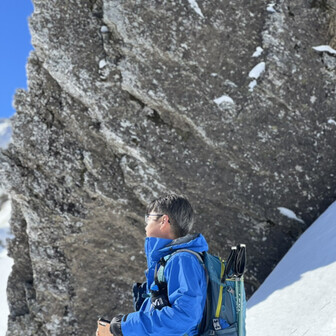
<point>198,255</point>
<point>159,277</point>
<point>159,272</point>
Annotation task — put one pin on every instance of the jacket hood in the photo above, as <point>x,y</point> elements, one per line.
<point>156,248</point>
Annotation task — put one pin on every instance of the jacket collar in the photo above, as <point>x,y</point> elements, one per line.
<point>156,248</point>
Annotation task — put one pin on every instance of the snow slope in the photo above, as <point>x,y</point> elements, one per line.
<point>5,262</point>
<point>299,297</point>
<point>5,268</point>
<point>5,213</point>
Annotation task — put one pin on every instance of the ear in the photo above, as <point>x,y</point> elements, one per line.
<point>165,224</point>
<point>166,228</point>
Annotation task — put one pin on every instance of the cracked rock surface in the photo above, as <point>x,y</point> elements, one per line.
<point>128,100</point>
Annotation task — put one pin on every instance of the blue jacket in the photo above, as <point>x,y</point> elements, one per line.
<point>187,289</point>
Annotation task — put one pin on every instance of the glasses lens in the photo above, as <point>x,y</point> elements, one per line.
<point>152,215</point>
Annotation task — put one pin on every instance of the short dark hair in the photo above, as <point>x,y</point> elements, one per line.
<point>179,210</point>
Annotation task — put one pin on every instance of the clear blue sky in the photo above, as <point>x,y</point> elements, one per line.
<point>15,48</point>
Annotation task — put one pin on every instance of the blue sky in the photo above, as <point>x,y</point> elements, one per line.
<point>15,48</point>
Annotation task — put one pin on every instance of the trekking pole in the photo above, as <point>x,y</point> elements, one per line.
<point>235,268</point>
<point>237,291</point>
<point>240,269</point>
<point>238,305</point>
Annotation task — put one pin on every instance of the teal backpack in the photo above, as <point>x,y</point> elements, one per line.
<point>225,309</point>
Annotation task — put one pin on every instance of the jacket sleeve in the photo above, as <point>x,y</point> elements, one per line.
<point>186,292</point>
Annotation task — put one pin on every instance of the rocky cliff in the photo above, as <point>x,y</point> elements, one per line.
<point>224,101</point>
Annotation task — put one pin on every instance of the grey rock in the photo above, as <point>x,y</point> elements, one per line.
<point>120,108</point>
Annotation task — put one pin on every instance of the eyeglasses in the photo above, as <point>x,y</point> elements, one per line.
<point>153,215</point>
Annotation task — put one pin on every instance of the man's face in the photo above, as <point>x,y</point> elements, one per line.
<point>153,225</point>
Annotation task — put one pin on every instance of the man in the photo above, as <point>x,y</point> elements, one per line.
<point>179,310</point>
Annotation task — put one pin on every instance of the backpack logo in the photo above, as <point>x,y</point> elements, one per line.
<point>216,324</point>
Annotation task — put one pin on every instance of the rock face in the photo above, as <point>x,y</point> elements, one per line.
<point>128,100</point>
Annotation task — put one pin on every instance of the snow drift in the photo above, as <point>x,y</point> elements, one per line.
<point>298,297</point>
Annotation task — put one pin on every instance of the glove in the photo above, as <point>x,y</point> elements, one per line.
<point>115,326</point>
<point>159,296</point>
<point>139,294</point>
